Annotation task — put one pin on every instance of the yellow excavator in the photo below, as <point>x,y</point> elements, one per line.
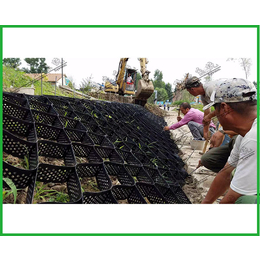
<point>126,80</point>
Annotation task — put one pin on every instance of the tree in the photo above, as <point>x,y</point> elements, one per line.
<point>158,76</point>
<point>168,88</point>
<point>245,63</point>
<point>12,62</point>
<point>162,94</point>
<point>37,65</point>
<point>84,86</point>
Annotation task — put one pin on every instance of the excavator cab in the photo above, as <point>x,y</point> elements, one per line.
<point>129,82</point>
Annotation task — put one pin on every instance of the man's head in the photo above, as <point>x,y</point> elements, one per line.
<point>232,99</point>
<point>194,86</point>
<point>185,107</point>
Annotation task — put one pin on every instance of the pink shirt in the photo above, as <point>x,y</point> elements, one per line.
<point>193,115</point>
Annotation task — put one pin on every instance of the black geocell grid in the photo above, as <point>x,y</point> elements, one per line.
<point>123,147</point>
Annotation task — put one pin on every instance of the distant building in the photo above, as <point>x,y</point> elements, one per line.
<point>51,78</point>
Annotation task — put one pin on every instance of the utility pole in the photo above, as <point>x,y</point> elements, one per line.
<point>55,84</point>
<point>62,70</point>
<point>41,82</point>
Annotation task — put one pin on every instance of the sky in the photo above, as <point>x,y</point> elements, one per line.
<point>172,69</point>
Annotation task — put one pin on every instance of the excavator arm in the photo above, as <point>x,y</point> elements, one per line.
<point>145,86</point>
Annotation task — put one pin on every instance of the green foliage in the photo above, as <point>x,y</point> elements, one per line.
<point>37,65</point>
<point>12,62</point>
<point>158,84</point>
<point>158,75</point>
<point>200,107</point>
<point>84,86</point>
<point>60,197</point>
<point>42,192</point>
<point>168,88</point>
<point>187,96</point>
<point>162,94</point>
<point>13,188</point>
<point>164,90</point>
<point>15,78</point>
<point>178,102</point>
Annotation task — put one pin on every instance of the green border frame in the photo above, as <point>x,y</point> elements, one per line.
<point>125,26</point>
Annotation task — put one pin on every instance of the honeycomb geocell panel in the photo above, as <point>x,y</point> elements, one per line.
<point>90,152</point>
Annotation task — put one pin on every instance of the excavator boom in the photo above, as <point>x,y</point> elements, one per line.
<point>145,86</point>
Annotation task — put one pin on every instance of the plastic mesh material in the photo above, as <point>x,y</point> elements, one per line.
<point>52,133</point>
<point>20,148</point>
<point>95,170</point>
<point>21,128</point>
<point>118,170</point>
<point>129,194</point>
<point>150,192</point>
<point>103,197</point>
<point>17,111</point>
<point>112,152</point>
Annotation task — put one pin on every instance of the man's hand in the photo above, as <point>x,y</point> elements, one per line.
<point>216,139</point>
<point>179,118</point>
<point>199,164</point>
<point>166,128</point>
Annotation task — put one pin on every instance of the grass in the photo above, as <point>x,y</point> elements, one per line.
<point>17,79</point>
<point>13,190</point>
<point>44,194</point>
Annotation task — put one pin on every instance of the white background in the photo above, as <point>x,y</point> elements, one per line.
<point>158,43</point>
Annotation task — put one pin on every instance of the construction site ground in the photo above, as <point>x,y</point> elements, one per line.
<point>199,181</point>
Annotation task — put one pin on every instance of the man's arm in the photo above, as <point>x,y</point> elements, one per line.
<point>206,121</point>
<point>219,185</point>
<point>208,115</point>
<point>185,120</point>
<point>230,197</point>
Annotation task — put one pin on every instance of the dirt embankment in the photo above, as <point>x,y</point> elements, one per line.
<point>155,110</point>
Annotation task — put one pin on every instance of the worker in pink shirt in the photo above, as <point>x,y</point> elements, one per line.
<point>193,118</point>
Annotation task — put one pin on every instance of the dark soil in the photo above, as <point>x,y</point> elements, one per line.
<point>52,161</point>
<point>15,161</point>
<point>155,110</point>
<point>20,199</point>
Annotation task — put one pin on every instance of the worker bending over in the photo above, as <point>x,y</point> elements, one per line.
<point>193,118</point>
